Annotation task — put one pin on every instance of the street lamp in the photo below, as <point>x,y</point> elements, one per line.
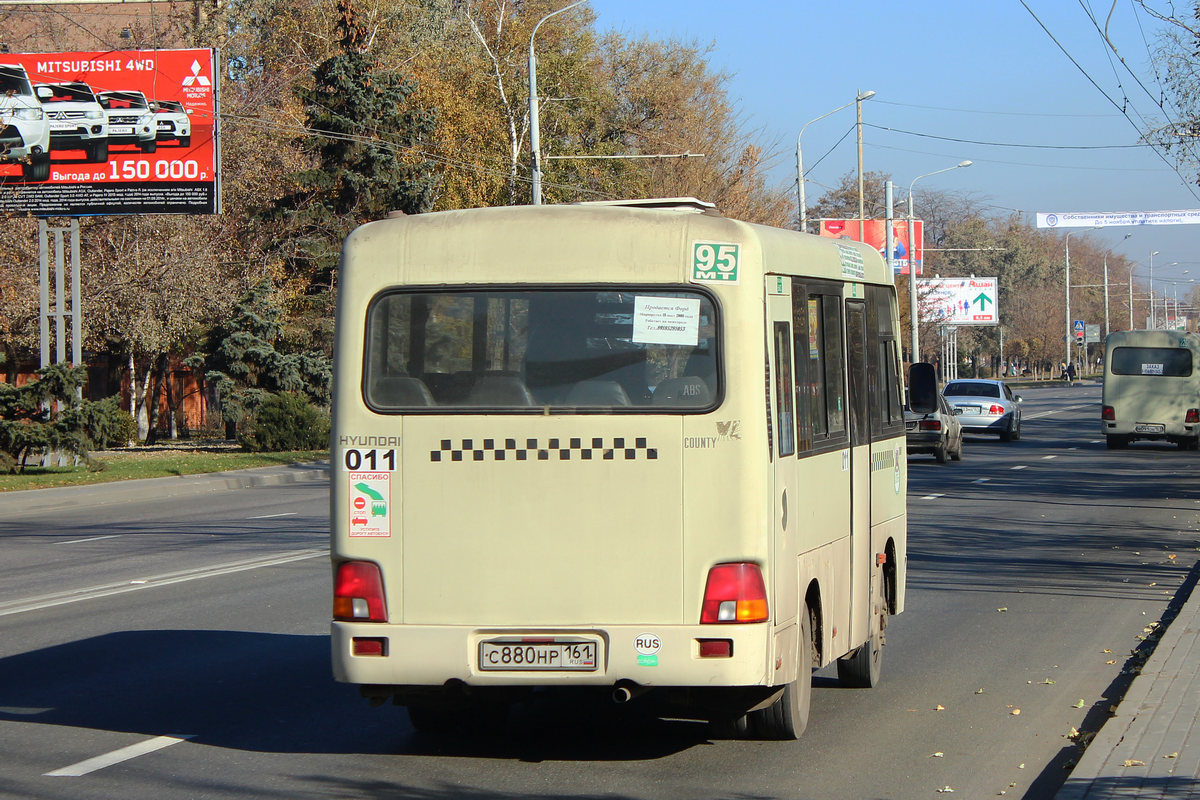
<point>800,158</point>
<point>1106,252</point>
<point>1153,318</point>
<point>535,143</point>
<point>915,355</point>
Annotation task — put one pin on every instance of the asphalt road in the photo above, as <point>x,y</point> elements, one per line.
<point>176,648</point>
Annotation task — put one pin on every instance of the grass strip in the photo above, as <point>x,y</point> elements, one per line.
<point>132,465</point>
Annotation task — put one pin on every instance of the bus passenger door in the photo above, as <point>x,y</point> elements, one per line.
<point>782,425</point>
<point>860,471</point>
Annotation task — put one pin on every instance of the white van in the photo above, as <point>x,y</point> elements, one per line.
<point>1151,388</point>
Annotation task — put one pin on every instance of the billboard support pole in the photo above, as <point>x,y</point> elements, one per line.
<point>66,313</point>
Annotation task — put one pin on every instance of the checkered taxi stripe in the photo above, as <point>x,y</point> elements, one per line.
<point>618,448</point>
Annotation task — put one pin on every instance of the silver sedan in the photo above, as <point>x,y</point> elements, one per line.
<point>986,406</point>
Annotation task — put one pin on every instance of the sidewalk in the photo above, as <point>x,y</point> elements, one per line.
<point>1150,748</point>
<point>101,494</point>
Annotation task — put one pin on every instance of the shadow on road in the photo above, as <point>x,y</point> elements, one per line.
<point>270,692</point>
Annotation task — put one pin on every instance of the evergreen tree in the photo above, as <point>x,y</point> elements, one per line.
<point>364,135</point>
<point>250,360</point>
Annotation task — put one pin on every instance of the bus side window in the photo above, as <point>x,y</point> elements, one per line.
<point>814,371</point>
<point>784,393</point>
<point>835,401</point>
<point>800,353</point>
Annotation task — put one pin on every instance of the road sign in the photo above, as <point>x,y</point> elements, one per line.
<point>1080,326</point>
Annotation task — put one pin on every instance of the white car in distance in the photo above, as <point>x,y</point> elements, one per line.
<point>77,120</point>
<point>24,130</point>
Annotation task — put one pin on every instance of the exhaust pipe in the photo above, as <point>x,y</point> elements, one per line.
<point>624,691</point>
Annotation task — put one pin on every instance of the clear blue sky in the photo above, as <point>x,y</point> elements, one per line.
<point>976,71</point>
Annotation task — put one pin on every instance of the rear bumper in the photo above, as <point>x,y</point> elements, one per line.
<point>1172,431</point>
<point>433,656</point>
<point>924,441</point>
<point>972,424</point>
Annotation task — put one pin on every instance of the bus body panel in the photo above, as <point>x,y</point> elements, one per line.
<point>1151,381</point>
<point>610,550</point>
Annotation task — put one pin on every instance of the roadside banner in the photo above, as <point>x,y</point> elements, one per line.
<point>173,169</point>
<point>1105,219</point>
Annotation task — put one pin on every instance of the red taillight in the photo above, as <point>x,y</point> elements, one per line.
<point>996,410</point>
<point>358,593</point>
<point>931,425</point>
<point>1193,415</point>
<point>734,593</point>
<point>1108,412</point>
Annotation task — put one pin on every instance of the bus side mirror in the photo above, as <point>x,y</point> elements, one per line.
<point>922,388</point>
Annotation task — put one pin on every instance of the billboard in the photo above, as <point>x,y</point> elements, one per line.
<point>128,132</point>
<point>874,233</point>
<point>958,301</point>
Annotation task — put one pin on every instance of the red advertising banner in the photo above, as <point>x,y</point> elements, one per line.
<point>874,233</point>
<point>119,132</point>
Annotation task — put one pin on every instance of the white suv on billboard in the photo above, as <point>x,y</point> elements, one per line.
<point>77,121</point>
<point>24,130</point>
<point>173,121</point>
<point>130,120</point>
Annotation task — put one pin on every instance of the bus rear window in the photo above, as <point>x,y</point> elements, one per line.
<point>569,350</point>
<point>1170,362</point>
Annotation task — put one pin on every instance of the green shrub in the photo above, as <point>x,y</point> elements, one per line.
<point>286,421</point>
<point>106,424</point>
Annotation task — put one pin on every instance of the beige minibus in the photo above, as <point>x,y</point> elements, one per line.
<point>1151,388</point>
<point>632,448</point>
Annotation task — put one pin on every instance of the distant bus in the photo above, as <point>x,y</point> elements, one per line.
<point>1151,388</point>
<point>637,448</point>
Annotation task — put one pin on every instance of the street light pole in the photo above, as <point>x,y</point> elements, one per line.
<point>914,323</point>
<point>1153,317</point>
<point>1067,323</point>
<point>535,143</point>
<point>861,211</point>
<point>800,157</point>
<point>1106,252</point>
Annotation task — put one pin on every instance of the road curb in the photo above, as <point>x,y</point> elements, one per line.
<point>100,494</point>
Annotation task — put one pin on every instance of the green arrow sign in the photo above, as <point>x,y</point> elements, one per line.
<point>983,300</point>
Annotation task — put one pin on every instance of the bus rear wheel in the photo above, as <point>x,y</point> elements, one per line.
<point>787,717</point>
<point>862,668</point>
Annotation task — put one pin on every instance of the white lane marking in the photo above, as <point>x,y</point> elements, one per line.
<point>106,590</point>
<point>1044,458</point>
<point>1040,414</point>
<point>932,496</point>
<point>93,538</point>
<point>117,756</point>
<point>273,516</point>
<point>981,480</point>
<point>1020,466</point>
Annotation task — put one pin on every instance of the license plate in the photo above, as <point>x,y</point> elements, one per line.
<point>971,409</point>
<point>1148,428</point>
<point>509,655</point>
<point>120,129</point>
<point>62,126</point>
